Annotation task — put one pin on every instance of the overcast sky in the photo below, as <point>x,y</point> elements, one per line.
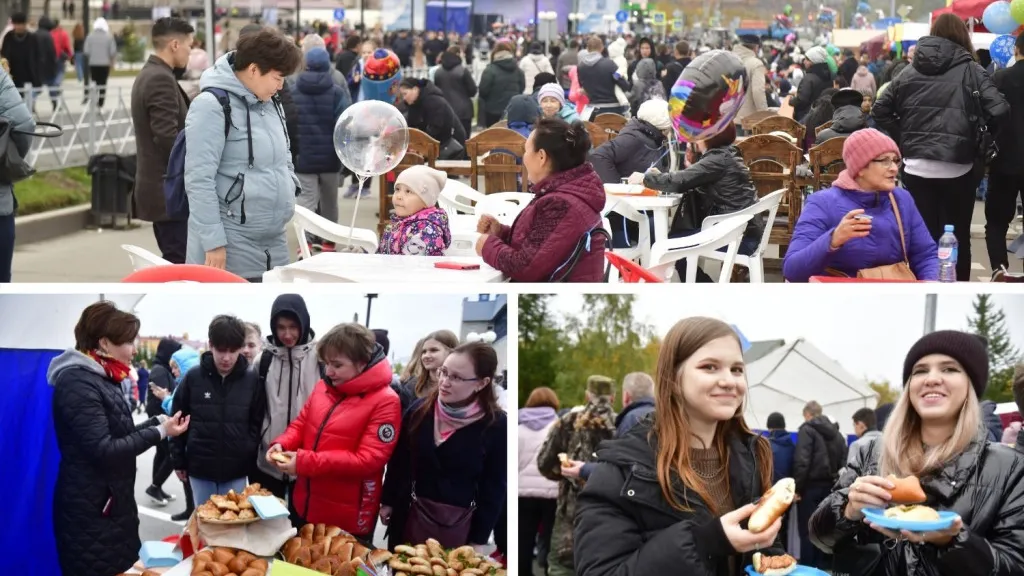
<point>406,317</point>
<point>868,335</point>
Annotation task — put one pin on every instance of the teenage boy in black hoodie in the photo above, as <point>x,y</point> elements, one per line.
<point>599,76</point>
<point>160,377</point>
<point>226,405</point>
<point>675,68</point>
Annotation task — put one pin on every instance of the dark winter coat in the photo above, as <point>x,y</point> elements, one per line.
<point>598,77</point>
<point>625,527</point>
<point>291,118</point>
<point>456,83</point>
<point>723,183</point>
<point>567,59</point>
<point>637,146</point>
<point>501,80</point>
<point>783,450</point>
<point>645,85</point>
<point>226,419</point>
<point>47,51</point>
<point>816,80</point>
<point>848,68</point>
<point>993,424</point>
<point>631,68</point>
<point>984,485</point>
<point>95,518</point>
<point>346,65</point>
<point>820,453</point>
<point>845,121</point>
<point>22,54</point>
<point>672,73</point>
<point>434,48</point>
<point>925,109</point>
<point>631,415</point>
<point>160,374</point>
<point>319,102</point>
<point>567,206</point>
<point>402,48</point>
<point>1010,82</point>
<point>432,114</point>
<point>467,467</point>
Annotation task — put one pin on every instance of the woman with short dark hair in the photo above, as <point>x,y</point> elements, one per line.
<point>552,239</point>
<point>96,520</point>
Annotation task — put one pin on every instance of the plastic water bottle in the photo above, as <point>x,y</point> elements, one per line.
<point>948,248</point>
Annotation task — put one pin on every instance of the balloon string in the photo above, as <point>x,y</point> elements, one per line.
<point>359,194</point>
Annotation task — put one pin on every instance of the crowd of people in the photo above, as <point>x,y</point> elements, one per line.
<point>667,484</point>
<point>363,443</point>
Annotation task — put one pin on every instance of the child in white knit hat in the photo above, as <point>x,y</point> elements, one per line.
<point>418,226</point>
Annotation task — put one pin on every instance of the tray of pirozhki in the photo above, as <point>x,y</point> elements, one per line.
<point>231,508</point>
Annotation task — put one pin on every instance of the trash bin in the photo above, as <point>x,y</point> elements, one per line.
<point>113,180</point>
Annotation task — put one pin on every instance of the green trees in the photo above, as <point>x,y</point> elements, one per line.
<point>989,322</point>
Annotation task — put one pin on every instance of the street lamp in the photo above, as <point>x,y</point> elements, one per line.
<point>544,25</point>
<point>575,18</point>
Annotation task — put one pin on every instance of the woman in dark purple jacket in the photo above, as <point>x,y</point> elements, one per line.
<point>852,226</point>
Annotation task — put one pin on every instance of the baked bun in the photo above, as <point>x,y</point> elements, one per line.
<point>907,490</point>
<point>306,532</point>
<point>913,513</point>
<point>564,459</point>
<point>774,565</point>
<point>773,505</point>
<point>280,457</point>
<point>259,564</point>
<point>379,557</point>
<point>253,572</point>
<point>332,531</point>
<point>319,531</point>
<point>223,555</point>
<point>291,547</point>
<point>218,569</point>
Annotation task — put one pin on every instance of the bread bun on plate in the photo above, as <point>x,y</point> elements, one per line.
<point>912,513</point>
<point>774,565</point>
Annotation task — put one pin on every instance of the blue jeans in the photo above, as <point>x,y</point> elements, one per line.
<point>203,489</point>
<point>747,246</point>
<point>6,247</point>
<point>80,66</point>
<point>57,80</point>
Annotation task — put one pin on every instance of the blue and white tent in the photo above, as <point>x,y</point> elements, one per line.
<point>34,328</point>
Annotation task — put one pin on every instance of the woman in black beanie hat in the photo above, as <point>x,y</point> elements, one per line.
<point>935,432</point>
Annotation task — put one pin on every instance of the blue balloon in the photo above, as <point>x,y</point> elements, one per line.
<point>998,19</point>
<point>1001,49</point>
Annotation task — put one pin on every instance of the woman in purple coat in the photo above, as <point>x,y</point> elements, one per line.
<point>852,226</point>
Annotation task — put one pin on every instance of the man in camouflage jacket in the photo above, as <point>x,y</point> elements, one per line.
<point>576,435</point>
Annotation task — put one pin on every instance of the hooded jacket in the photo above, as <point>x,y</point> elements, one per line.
<point>723,182</point>
<point>631,415</point>
<point>993,424</point>
<point>845,121</point>
<point>756,99</point>
<point>48,51</point>
<point>625,527</point>
<point>1010,82</point>
<point>291,375</point>
<point>815,81</point>
<point>820,453</point>
<point>984,485</point>
<point>783,449</point>
<point>319,102</point>
<point>567,206</point>
<point>925,109</point>
<point>424,233</point>
<point>864,82</point>
<point>809,251</point>
<point>100,48</point>
<point>160,374</point>
<point>186,358</point>
<point>637,146</point>
<point>432,114</point>
<point>673,71</point>
<point>98,444</point>
<point>599,77</point>
<point>343,438</point>
<point>501,80</point>
<point>534,425</point>
<point>262,197</point>
<point>522,114</point>
<point>456,83</point>
<point>13,108</point>
<point>531,65</point>
<point>645,85</point>
<point>569,58</point>
<point>631,68</point>
<point>226,415</point>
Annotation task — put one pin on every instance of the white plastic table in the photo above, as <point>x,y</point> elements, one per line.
<point>658,206</point>
<point>347,267</point>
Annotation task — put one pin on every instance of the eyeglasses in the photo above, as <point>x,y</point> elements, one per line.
<point>888,162</point>
<point>445,374</point>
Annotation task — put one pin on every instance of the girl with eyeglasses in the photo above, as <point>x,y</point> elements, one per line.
<point>863,221</point>
<point>446,479</point>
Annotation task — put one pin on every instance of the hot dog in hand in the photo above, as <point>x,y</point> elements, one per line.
<point>773,505</point>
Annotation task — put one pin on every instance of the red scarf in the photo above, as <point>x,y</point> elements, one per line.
<point>448,420</point>
<point>115,369</point>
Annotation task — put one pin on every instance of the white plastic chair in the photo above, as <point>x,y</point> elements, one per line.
<point>503,210</point>
<point>640,253</point>
<point>520,198</point>
<point>458,198</point>
<point>728,234</point>
<point>306,220</point>
<point>142,258</point>
<point>463,244</point>
<point>754,262</point>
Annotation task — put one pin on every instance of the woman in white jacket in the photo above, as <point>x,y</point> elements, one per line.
<point>534,63</point>
<point>617,54</point>
<point>537,494</point>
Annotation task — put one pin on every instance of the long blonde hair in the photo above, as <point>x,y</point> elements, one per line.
<point>671,425</point>
<point>413,368</point>
<point>903,451</point>
<point>446,338</point>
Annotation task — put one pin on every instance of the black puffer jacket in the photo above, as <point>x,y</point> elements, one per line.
<point>1010,82</point>
<point>432,114</point>
<point>723,183</point>
<point>98,445</point>
<point>598,77</point>
<point>984,485</point>
<point>816,80</point>
<point>291,118</point>
<point>637,146</point>
<point>845,121</point>
<point>625,527</point>
<point>160,374</point>
<point>925,108</point>
<point>820,453</point>
<point>226,419</point>
<point>456,83</point>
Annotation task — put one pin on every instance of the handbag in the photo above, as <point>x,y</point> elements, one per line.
<point>899,271</point>
<point>14,168</point>
<point>987,147</point>
<point>445,523</point>
<point>451,150</point>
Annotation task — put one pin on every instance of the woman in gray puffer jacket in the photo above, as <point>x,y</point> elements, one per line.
<point>13,109</point>
<point>241,188</point>
<point>645,85</point>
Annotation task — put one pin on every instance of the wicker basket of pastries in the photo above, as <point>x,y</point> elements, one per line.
<point>231,508</point>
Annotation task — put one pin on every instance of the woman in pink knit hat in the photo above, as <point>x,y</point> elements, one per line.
<point>852,226</point>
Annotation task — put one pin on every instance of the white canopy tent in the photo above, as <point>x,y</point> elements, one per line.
<point>790,375</point>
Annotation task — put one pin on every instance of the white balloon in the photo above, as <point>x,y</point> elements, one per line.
<point>371,138</point>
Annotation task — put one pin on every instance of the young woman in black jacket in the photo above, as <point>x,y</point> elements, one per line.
<point>673,495</point>
<point>95,518</point>
<point>936,433</point>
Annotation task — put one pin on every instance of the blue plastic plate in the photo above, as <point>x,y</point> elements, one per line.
<point>877,516</point>
<point>800,571</point>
